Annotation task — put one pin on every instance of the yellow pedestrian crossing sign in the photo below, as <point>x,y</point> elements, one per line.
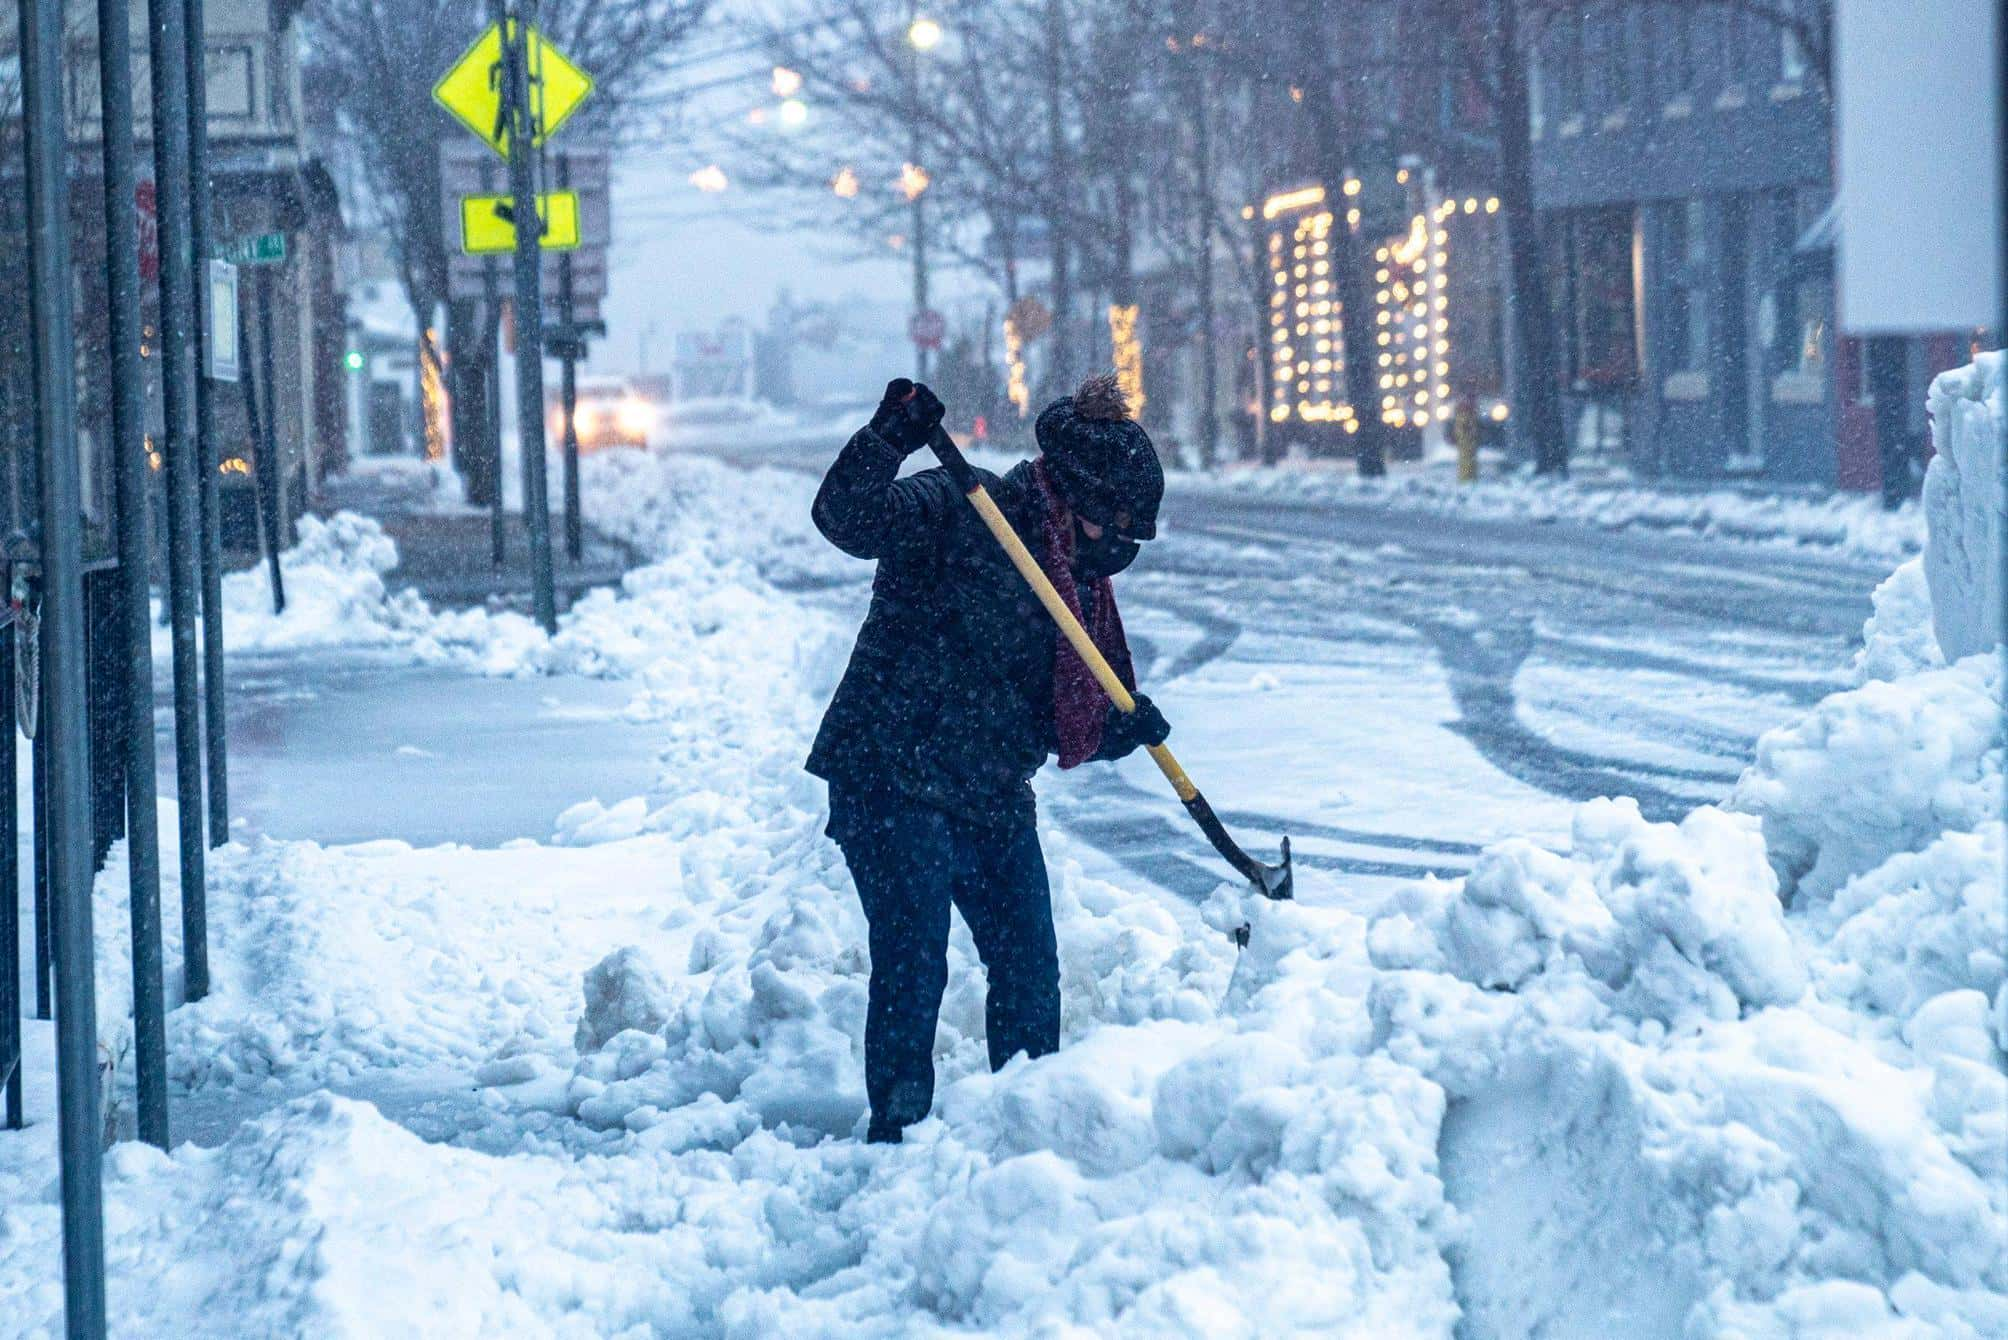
<point>472,89</point>
<point>488,223</point>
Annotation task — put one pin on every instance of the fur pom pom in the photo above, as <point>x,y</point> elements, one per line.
<point>1102,398</point>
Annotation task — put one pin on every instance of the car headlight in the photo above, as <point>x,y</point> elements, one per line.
<point>585,419</point>
<point>636,417</point>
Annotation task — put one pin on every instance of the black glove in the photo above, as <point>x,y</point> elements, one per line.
<point>908,415</point>
<point>1123,733</point>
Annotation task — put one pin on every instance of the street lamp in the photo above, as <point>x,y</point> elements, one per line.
<point>793,113</point>
<point>924,33</point>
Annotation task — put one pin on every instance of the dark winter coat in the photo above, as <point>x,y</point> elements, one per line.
<point>948,698</point>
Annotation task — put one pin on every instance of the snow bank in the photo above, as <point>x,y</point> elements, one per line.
<point>1898,639</point>
<point>1964,504</point>
<point>1742,1075</point>
<point>1675,923</point>
<point>1755,1064</point>
<point>1877,770</point>
<point>335,593</point>
<point>1854,524</point>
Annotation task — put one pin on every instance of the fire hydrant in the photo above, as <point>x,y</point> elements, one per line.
<point>1464,432</point>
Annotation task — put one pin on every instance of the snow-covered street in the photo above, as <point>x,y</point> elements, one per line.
<point>540,991</point>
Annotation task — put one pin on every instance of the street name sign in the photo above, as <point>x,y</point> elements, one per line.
<point>262,249</point>
<point>472,89</point>
<point>488,223</point>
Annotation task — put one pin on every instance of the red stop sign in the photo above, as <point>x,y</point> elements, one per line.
<point>927,328</point>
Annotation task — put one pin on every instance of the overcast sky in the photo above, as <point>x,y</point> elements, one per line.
<point>686,260</point>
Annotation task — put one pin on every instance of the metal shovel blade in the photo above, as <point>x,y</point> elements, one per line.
<point>1272,881</point>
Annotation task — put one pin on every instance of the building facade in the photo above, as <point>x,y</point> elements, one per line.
<point>1683,166</point>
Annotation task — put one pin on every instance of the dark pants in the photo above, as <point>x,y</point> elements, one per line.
<point>910,861</point>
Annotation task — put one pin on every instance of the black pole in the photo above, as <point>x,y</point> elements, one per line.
<point>166,48</point>
<point>569,353</point>
<point>498,546</point>
<point>266,435</point>
<point>62,633</point>
<point>10,887</point>
<point>491,299</point>
<point>529,303</point>
<point>214,720</point>
<point>134,617</point>
<point>45,913</point>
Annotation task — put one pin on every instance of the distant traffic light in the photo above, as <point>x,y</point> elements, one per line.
<point>353,360</point>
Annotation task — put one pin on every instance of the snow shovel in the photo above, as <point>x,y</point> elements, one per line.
<point>1274,881</point>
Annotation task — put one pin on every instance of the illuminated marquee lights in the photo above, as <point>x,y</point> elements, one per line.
<point>1411,301</point>
<point>1127,348</point>
<point>1409,269</point>
<point>1306,318</point>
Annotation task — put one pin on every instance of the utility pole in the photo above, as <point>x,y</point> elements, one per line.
<point>916,186</point>
<point>62,635</point>
<point>1199,89</point>
<point>215,722</point>
<point>520,113</point>
<point>167,48</point>
<point>1060,370</point>
<point>491,306</point>
<point>265,432</point>
<point>129,481</point>
<point>569,349</point>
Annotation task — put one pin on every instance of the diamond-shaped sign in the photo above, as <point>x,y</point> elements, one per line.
<point>472,89</point>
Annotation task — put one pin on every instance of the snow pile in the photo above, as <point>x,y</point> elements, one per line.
<point>1898,639</point>
<point>1877,770</point>
<point>1964,504</point>
<point>1675,923</point>
<point>666,504</point>
<point>1854,524</point>
<point>1759,1059</point>
<point>335,593</point>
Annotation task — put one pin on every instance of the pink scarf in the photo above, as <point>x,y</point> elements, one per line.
<point>1079,706</point>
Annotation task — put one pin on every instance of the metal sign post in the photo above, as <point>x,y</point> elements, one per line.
<point>568,354</point>
<point>129,480</point>
<point>62,634</point>
<point>261,252</point>
<point>523,129</point>
<point>215,723</point>
<point>167,46</point>
<point>491,306</point>
<point>490,90</point>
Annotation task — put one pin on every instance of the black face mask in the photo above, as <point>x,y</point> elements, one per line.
<point>1104,557</point>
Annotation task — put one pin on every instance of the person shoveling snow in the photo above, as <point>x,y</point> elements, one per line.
<point>958,689</point>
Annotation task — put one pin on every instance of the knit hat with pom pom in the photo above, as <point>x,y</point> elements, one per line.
<point>1101,460</point>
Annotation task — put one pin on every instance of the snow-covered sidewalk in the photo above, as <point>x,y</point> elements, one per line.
<point>1737,1076</point>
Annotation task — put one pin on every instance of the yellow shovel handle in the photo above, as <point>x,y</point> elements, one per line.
<point>1070,628</point>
